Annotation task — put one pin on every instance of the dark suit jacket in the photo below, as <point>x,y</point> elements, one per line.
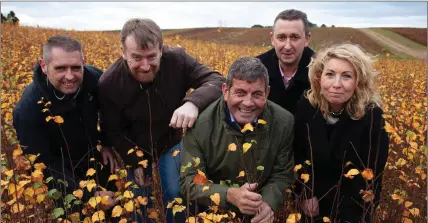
<point>363,142</point>
<point>287,98</point>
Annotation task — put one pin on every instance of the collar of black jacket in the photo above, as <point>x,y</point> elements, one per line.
<point>69,102</point>
<point>302,70</point>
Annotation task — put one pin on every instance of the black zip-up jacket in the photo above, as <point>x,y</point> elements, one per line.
<point>80,115</point>
<point>287,98</point>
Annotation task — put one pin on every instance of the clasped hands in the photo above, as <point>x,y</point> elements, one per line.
<point>250,203</point>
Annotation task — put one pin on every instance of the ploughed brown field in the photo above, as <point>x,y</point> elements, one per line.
<point>260,36</point>
<point>418,35</point>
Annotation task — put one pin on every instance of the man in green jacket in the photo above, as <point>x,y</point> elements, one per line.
<point>240,148</point>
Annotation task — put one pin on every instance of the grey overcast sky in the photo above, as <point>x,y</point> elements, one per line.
<point>171,15</point>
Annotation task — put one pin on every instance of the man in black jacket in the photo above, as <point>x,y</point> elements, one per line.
<point>287,61</point>
<point>57,114</point>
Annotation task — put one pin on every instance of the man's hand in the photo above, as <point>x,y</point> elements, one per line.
<point>111,200</point>
<point>243,198</point>
<point>310,207</point>
<point>264,215</point>
<point>184,116</point>
<point>109,157</point>
<point>139,176</point>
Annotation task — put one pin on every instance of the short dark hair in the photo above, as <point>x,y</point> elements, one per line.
<point>293,14</point>
<point>249,69</point>
<point>145,31</point>
<point>66,43</point>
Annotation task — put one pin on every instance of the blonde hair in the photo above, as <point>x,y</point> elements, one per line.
<point>365,94</point>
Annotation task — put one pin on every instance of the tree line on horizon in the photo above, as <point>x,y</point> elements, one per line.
<point>10,18</point>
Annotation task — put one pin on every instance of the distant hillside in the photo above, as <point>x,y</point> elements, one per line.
<point>260,36</point>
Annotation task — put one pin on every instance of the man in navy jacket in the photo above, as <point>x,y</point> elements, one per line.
<point>62,86</point>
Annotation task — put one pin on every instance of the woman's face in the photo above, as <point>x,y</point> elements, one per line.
<point>338,82</point>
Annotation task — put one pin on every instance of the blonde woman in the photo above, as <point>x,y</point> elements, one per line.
<point>339,126</point>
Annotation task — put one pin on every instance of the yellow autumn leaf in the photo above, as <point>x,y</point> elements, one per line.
<point>29,191</point>
<point>204,188</point>
<point>91,172</point>
<point>389,128</point>
<point>178,208</point>
<point>395,196</point>
<point>247,127</point>
<point>191,220</point>
<point>129,206</point>
<point>112,177</point>
<point>39,166</point>
<point>130,151</point>
<point>40,198</point>
<point>241,174</point>
<point>170,204</point>
<point>297,168</point>
<point>16,152</point>
<point>139,153</point>
<point>83,183</point>
<point>153,215</point>
<point>175,153</point>
<point>197,161</point>
<point>232,147</point>
<point>33,157</point>
<point>17,207</point>
<point>128,184</point>
<point>123,220</point>
<point>414,211</point>
<point>293,218</point>
<point>117,211</point>
<point>98,216</point>
<point>246,147</point>
<point>91,184</point>
<point>408,204</point>
<point>400,162</point>
<point>178,200</point>
<point>58,119</point>
<point>261,121</point>
<point>8,173</point>
<point>128,194</point>
<point>144,163</point>
<point>351,173</point>
<point>304,177</point>
<point>99,147</point>
<point>308,162</point>
<point>87,220</point>
<point>48,118</point>
<point>367,174</point>
<point>142,200</point>
<point>215,198</point>
<point>78,193</point>
<point>92,159</point>
<point>94,201</point>
<point>326,219</point>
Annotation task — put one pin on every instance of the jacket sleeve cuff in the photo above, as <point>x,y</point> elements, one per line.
<point>222,191</point>
<point>272,197</point>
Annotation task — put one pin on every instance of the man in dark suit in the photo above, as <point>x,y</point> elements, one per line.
<point>287,61</point>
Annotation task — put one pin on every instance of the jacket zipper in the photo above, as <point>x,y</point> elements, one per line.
<point>150,120</point>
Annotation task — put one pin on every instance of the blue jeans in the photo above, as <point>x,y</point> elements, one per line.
<point>169,170</point>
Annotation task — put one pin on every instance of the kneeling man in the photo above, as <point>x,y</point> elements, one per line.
<point>242,144</point>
